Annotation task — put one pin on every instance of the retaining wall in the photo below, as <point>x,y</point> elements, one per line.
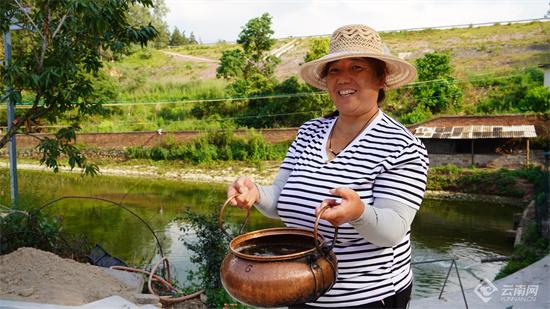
<point>113,144</point>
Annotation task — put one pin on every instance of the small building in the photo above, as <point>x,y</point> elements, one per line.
<point>483,141</point>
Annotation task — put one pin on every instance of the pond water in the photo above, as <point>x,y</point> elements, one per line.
<point>464,230</point>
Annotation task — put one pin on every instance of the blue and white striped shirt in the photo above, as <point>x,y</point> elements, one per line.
<point>384,161</point>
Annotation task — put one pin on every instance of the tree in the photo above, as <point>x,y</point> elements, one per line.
<point>62,51</point>
<point>154,15</point>
<point>192,39</point>
<point>250,68</point>
<point>176,39</point>
<point>231,64</point>
<point>436,91</point>
<point>318,49</point>
<point>252,58</point>
<point>296,104</point>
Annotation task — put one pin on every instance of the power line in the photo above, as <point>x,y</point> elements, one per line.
<point>305,94</point>
<point>167,122</point>
<point>282,96</point>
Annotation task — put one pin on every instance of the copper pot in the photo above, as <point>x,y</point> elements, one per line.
<point>278,267</point>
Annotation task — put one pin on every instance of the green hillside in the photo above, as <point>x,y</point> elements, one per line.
<point>155,88</point>
<point>475,51</point>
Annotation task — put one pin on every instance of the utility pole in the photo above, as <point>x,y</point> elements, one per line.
<point>11,117</point>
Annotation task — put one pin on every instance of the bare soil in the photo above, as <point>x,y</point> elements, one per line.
<point>33,275</point>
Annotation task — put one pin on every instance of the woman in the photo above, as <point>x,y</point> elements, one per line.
<point>369,168</point>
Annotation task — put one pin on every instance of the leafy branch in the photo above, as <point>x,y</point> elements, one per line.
<point>56,53</point>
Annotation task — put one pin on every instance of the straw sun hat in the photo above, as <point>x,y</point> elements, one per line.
<point>356,41</point>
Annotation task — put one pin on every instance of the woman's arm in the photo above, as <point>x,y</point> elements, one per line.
<point>385,223</point>
<point>269,195</point>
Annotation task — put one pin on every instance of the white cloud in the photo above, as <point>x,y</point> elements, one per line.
<point>213,20</point>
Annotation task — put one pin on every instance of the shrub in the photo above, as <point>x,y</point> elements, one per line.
<point>209,248</point>
<point>534,248</point>
<point>215,146</point>
<point>138,152</point>
<point>21,229</point>
<point>159,153</point>
<point>521,92</point>
<point>502,182</point>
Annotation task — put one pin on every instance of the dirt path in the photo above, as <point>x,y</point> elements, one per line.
<point>189,57</point>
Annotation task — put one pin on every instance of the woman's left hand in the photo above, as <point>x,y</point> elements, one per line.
<point>350,208</point>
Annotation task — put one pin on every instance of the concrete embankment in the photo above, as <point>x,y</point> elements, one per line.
<point>527,288</point>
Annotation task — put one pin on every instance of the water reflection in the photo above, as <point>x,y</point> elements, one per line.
<point>466,231</point>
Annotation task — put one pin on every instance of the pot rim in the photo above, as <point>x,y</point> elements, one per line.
<point>270,232</point>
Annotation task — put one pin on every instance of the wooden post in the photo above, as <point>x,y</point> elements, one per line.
<point>472,152</point>
<point>526,152</point>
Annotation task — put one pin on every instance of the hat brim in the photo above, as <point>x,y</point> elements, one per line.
<point>399,72</point>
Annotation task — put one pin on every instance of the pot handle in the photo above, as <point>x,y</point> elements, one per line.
<point>315,231</point>
<point>220,219</point>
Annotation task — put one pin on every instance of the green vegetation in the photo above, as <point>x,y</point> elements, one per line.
<point>21,229</point>
<point>54,64</point>
<point>488,70</point>
<point>520,93</point>
<point>533,248</point>
<point>502,182</point>
<point>212,51</point>
<point>483,70</point>
<point>152,76</point>
<point>214,146</point>
<point>37,230</point>
<point>496,49</point>
<point>250,65</point>
<point>462,87</point>
<point>178,39</point>
<point>436,91</point>
<point>534,245</point>
<point>319,48</point>
<point>209,250</point>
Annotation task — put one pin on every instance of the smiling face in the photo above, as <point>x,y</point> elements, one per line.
<point>353,84</point>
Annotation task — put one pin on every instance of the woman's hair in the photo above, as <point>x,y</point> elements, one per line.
<point>379,67</point>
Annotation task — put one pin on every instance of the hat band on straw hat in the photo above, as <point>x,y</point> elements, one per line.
<point>358,41</point>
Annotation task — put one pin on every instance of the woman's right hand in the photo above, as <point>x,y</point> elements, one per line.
<point>244,191</point>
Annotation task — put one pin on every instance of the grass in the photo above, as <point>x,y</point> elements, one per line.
<point>479,49</point>
<point>525,34</point>
<point>533,248</point>
<point>501,182</point>
<point>152,76</point>
<point>149,75</point>
<point>173,90</point>
<point>212,51</point>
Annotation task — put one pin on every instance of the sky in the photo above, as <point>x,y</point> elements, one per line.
<point>215,20</point>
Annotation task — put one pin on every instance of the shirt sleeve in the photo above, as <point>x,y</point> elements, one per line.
<point>405,176</point>
<point>269,195</point>
<point>385,223</point>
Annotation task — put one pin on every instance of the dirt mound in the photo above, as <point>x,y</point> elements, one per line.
<point>34,275</point>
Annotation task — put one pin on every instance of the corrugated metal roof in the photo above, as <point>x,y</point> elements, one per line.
<point>476,132</point>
